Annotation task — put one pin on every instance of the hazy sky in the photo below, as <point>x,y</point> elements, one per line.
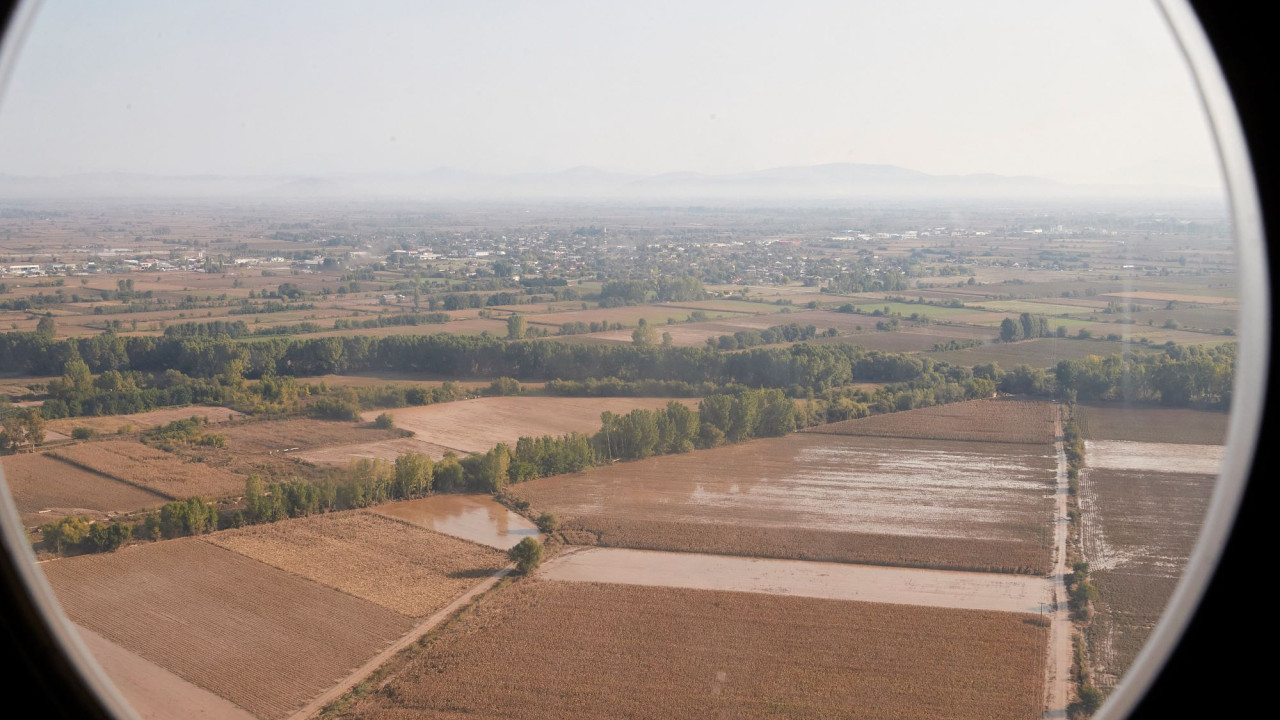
<point>1080,91</point>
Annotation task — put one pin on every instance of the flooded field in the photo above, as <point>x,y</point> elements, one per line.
<point>1156,457</point>
<point>823,482</point>
<point>833,581</point>
<point>477,425</point>
<point>471,517</point>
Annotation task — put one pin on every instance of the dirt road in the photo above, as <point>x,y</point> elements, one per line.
<point>1057,673</point>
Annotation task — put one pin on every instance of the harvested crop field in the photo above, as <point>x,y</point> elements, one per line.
<point>144,420</point>
<point>153,692</point>
<point>477,425</point>
<point>298,433</point>
<point>990,420</point>
<point>1039,353</point>
<point>1154,457</point>
<point>260,637</point>
<point>45,489</point>
<point>1153,424</point>
<point>150,469</point>
<point>623,651</point>
<point>820,497</point>
<point>1139,529</point>
<point>376,558</point>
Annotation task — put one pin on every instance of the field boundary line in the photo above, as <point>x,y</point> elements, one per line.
<point>343,686</point>
<point>108,476</point>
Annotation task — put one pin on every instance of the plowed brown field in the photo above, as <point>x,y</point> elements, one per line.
<point>922,503</point>
<point>385,561</point>
<point>39,483</point>
<point>990,420</point>
<point>541,649</point>
<point>260,637</point>
<point>152,469</point>
<point>1148,423</point>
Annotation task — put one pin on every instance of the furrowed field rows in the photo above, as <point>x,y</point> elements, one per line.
<point>1153,424</point>
<point>263,638</point>
<point>625,651</point>
<point>968,505</point>
<point>1140,527</point>
<point>385,561</point>
<point>150,469</point>
<point>39,484</point>
<point>991,420</point>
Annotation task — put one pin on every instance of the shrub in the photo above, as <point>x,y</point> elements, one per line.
<point>527,555</point>
<point>548,523</point>
<point>83,433</point>
<point>384,422</point>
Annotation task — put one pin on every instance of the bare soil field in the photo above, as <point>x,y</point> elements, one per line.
<point>919,503</point>
<point>1000,420</point>
<point>380,449</point>
<point>1165,297</point>
<point>153,692</point>
<point>477,425</point>
<point>1139,529</point>
<point>151,469</point>
<point>276,436</point>
<point>1040,353</point>
<point>477,518</point>
<point>45,489</point>
<point>624,651</point>
<point>260,637</point>
<point>388,562</point>
<point>1152,423</point>
<point>144,420</point>
<point>833,581</point>
<point>1154,457</point>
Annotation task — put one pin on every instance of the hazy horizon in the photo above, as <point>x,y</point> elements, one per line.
<point>1085,95</point>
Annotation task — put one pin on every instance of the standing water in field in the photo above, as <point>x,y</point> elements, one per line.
<point>477,518</point>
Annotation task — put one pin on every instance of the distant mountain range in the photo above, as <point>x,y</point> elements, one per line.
<point>847,181</point>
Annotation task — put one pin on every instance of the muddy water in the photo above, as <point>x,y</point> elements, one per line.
<point>1155,457</point>
<point>477,518</point>
<point>834,581</point>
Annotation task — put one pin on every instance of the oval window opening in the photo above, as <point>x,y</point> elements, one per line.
<point>658,361</point>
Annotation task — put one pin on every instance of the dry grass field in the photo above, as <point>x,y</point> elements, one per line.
<point>152,469</point>
<point>45,489</point>
<point>923,503</point>
<point>274,436</point>
<point>1139,530</point>
<point>1151,423</point>
<point>388,562</point>
<point>990,420</point>
<point>540,649</point>
<point>477,425</point>
<point>263,638</point>
<point>144,420</point>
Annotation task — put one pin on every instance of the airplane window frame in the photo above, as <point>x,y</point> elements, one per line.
<point>53,662</point>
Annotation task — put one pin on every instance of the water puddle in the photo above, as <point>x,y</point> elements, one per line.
<point>477,518</point>
<point>833,581</point>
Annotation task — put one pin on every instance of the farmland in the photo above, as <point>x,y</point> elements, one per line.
<point>150,469</point>
<point>1140,528</point>
<point>260,637</point>
<point>143,420</point>
<point>821,497</point>
<point>390,563</point>
<point>1138,423</point>
<point>45,489</point>
<point>1000,421</point>
<point>693,653</point>
<point>477,425</point>
<point>1040,352</point>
